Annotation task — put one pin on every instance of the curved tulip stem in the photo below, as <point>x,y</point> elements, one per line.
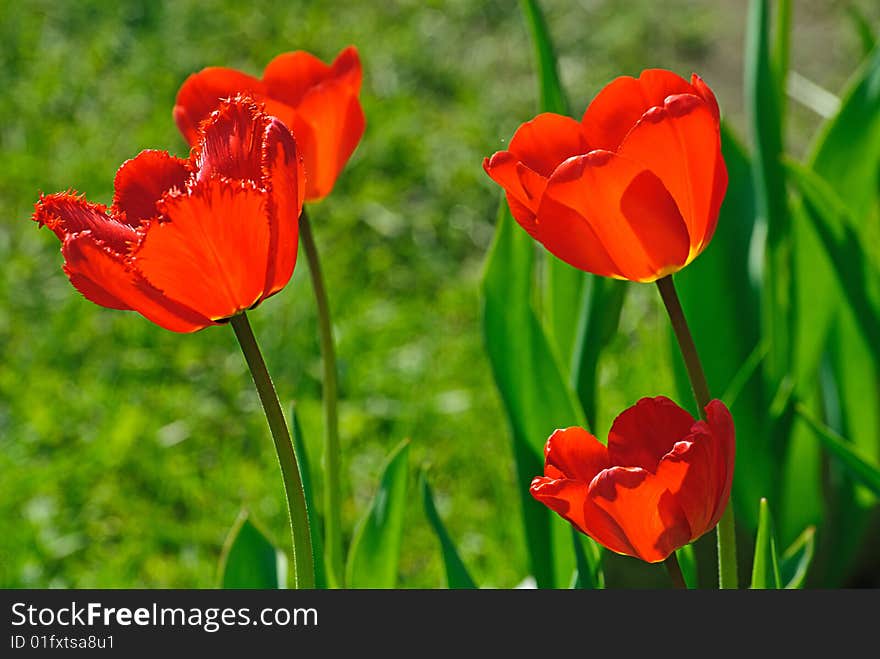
<point>303,562</point>
<point>727,572</point>
<point>674,570</point>
<point>332,451</point>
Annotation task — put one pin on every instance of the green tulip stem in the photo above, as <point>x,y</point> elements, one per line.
<point>727,577</point>
<point>332,451</point>
<point>303,563</point>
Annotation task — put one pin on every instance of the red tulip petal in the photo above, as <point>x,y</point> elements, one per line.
<point>569,499</point>
<point>537,148</point>
<point>67,214</point>
<point>620,220</point>
<point>546,141</point>
<point>141,182</point>
<point>719,188</point>
<point>287,187</point>
<point>201,93</point>
<point>576,454</point>
<point>680,143</point>
<point>347,68</point>
<point>720,422</point>
<point>623,101</point>
<point>102,277</point>
<point>232,142</point>
<point>212,253</point>
<point>563,496</point>
<point>328,124</point>
<point>707,95</point>
<point>700,487</point>
<point>642,434</point>
<point>93,269</point>
<point>523,191</point>
<point>645,508</point>
<point>290,75</point>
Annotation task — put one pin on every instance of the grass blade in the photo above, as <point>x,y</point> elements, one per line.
<point>249,559</point>
<point>374,555</point>
<point>457,575</point>
<point>796,559</point>
<point>861,469</point>
<point>765,568</point>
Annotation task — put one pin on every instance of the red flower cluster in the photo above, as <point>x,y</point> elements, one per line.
<point>631,191</point>
<point>190,243</point>
<point>662,482</point>
<point>318,102</point>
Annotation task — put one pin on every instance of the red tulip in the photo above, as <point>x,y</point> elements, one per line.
<point>318,102</point>
<point>661,483</point>
<point>190,243</point>
<point>633,190</point>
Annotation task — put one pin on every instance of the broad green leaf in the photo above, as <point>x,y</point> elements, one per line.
<point>721,304</point>
<point>599,319</point>
<point>374,554</point>
<point>763,91</point>
<point>846,150</point>
<point>765,568</point>
<point>854,379</point>
<point>865,471</point>
<point>687,561</point>
<point>249,559</point>
<point>781,48</point>
<point>795,561</point>
<point>800,492</point>
<point>563,283</point>
<point>457,575</point>
<point>853,359</point>
<point>536,396</point>
<point>305,474</point>
<point>845,155</point>
<point>552,95</point>
<point>857,275</point>
<point>588,554</point>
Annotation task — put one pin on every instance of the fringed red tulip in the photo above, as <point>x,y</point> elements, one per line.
<point>633,190</point>
<point>190,243</point>
<point>317,101</point>
<point>662,482</point>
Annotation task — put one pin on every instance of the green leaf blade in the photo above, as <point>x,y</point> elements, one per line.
<point>765,568</point>
<point>457,575</point>
<point>249,559</point>
<point>305,474</point>
<point>536,395</point>
<point>795,561</point>
<point>374,555</point>
<point>860,468</point>
<point>588,555</point>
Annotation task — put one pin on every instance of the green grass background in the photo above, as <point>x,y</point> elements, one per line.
<point>126,451</point>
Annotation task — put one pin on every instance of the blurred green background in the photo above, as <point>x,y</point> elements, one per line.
<point>126,451</point>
